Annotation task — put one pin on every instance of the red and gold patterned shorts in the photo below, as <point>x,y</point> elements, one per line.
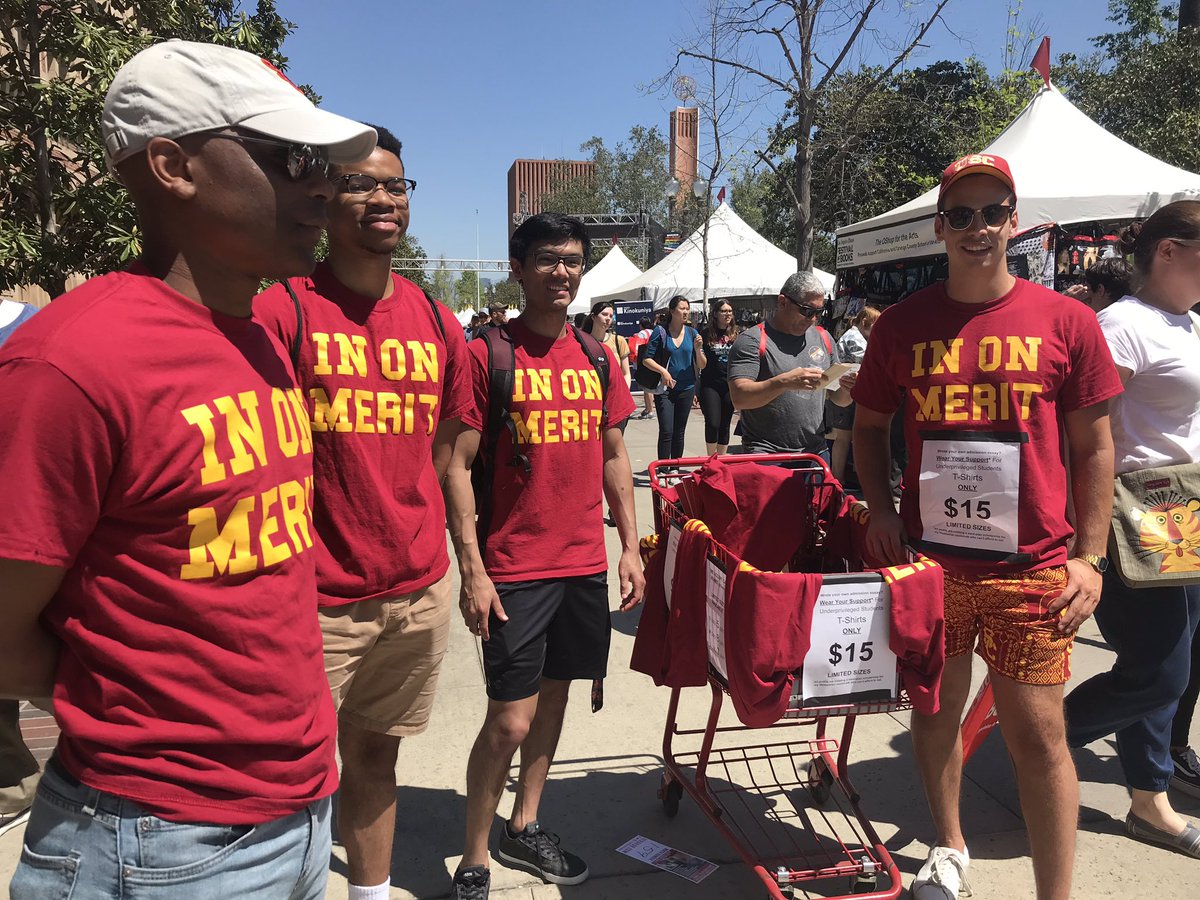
<point>1017,636</point>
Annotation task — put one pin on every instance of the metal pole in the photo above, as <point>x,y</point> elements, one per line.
<point>476,259</point>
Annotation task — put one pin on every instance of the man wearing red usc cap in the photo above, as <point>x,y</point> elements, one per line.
<point>995,371</point>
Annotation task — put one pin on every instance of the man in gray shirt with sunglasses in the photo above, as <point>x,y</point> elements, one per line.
<point>775,373</point>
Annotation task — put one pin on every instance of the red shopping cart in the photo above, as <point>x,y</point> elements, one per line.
<point>787,807</point>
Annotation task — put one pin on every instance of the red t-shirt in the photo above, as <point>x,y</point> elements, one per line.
<point>549,523</point>
<point>379,376</point>
<point>986,387</point>
<point>157,450</point>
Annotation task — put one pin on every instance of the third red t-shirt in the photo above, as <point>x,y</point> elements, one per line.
<point>549,523</point>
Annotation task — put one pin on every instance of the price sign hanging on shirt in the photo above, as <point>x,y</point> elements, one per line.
<point>714,620</point>
<point>971,491</point>
<point>850,659</point>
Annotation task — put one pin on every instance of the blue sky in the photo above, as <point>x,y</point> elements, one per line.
<point>469,85</point>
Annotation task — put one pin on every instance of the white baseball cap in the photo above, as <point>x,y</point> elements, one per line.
<point>178,88</point>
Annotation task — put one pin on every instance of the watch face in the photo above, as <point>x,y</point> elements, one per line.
<point>1102,565</point>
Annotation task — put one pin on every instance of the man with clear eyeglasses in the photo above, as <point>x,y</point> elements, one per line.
<point>1005,388</point>
<point>537,591</point>
<point>384,373</point>
<point>156,552</point>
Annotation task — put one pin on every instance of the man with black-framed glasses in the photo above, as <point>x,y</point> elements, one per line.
<point>384,373</point>
<point>156,551</point>
<point>991,370</point>
<point>776,369</point>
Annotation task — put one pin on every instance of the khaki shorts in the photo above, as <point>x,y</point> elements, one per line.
<point>1016,634</point>
<point>382,657</point>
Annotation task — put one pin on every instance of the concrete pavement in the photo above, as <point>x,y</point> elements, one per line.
<point>603,789</point>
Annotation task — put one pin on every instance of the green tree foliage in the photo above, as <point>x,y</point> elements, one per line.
<point>629,177</point>
<point>410,248</point>
<point>1143,83</point>
<point>441,284</point>
<point>468,291</point>
<point>59,211</point>
<point>509,293</point>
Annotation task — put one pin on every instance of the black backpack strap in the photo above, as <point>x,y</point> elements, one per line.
<point>298,337</point>
<point>501,364</point>
<point>598,357</point>
<point>437,316</point>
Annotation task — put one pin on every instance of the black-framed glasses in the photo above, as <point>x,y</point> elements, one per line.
<point>809,312</point>
<point>960,218</point>
<point>302,159</point>
<point>548,262</point>
<point>358,183</point>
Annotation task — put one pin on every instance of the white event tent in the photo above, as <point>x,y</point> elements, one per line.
<point>1066,168</point>
<point>741,263</point>
<point>611,272</point>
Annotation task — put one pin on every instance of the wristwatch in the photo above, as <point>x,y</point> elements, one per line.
<point>1099,563</point>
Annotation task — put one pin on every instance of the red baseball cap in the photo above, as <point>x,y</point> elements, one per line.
<point>977,164</point>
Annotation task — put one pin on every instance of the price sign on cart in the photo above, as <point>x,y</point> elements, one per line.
<point>849,659</point>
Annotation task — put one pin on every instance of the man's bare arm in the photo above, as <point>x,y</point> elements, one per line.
<point>746,393</point>
<point>478,595</point>
<point>1090,451</point>
<point>28,652</point>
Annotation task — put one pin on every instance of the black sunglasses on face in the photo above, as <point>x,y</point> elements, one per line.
<point>960,218</point>
<point>302,159</point>
<point>358,183</point>
<point>809,312</point>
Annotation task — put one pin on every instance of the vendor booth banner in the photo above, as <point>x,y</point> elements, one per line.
<point>628,314</point>
<point>906,240</point>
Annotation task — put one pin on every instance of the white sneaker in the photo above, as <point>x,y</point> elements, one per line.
<point>9,821</point>
<point>943,876</point>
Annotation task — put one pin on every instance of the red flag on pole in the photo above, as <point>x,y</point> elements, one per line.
<point>1041,60</point>
<point>721,195</point>
<point>615,239</point>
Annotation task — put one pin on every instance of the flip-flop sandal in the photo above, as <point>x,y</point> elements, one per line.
<point>1186,842</point>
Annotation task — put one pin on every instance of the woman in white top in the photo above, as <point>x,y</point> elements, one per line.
<point>1155,343</point>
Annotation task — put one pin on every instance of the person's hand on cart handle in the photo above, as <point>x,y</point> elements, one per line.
<point>885,537</point>
<point>806,379</point>
<point>633,580</point>
<point>477,600</point>
<point>1079,598</point>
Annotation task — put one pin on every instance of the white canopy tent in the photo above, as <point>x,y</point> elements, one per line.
<point>741,263</point>
<point>1066,168</point>
<point>611,272</point>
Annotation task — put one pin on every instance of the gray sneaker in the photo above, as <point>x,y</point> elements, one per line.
<point>1186,777</point>
<point>538,852</point>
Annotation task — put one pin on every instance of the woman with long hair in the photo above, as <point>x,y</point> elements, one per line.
<point>1155,341</point>
<point>599,324</point>
<point>685,358</point>
<point>715,404</point>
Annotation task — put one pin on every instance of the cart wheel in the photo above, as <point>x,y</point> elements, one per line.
<point>864,884</point>
<point>670,798</point>
<point>820,780</point>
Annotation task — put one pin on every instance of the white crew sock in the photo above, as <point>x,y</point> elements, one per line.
<point>376,892</point>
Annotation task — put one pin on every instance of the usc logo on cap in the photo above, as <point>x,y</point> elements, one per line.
<point>974,159</point>
<point>279,72</point>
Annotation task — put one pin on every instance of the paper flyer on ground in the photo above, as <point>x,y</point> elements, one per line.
<point>693,868</point>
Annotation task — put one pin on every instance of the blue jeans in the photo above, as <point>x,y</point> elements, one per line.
<point>674,407</point>
<point>1151,630</point>
<point>84,844</point>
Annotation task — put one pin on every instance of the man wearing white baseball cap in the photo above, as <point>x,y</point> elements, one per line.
<point>156,554</point>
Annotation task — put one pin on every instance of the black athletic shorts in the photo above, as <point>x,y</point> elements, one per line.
<point>557,627</point>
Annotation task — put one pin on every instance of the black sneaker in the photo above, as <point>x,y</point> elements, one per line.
<point>472,883</point>
<point>537,852</point>
<point>1187,771</point>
